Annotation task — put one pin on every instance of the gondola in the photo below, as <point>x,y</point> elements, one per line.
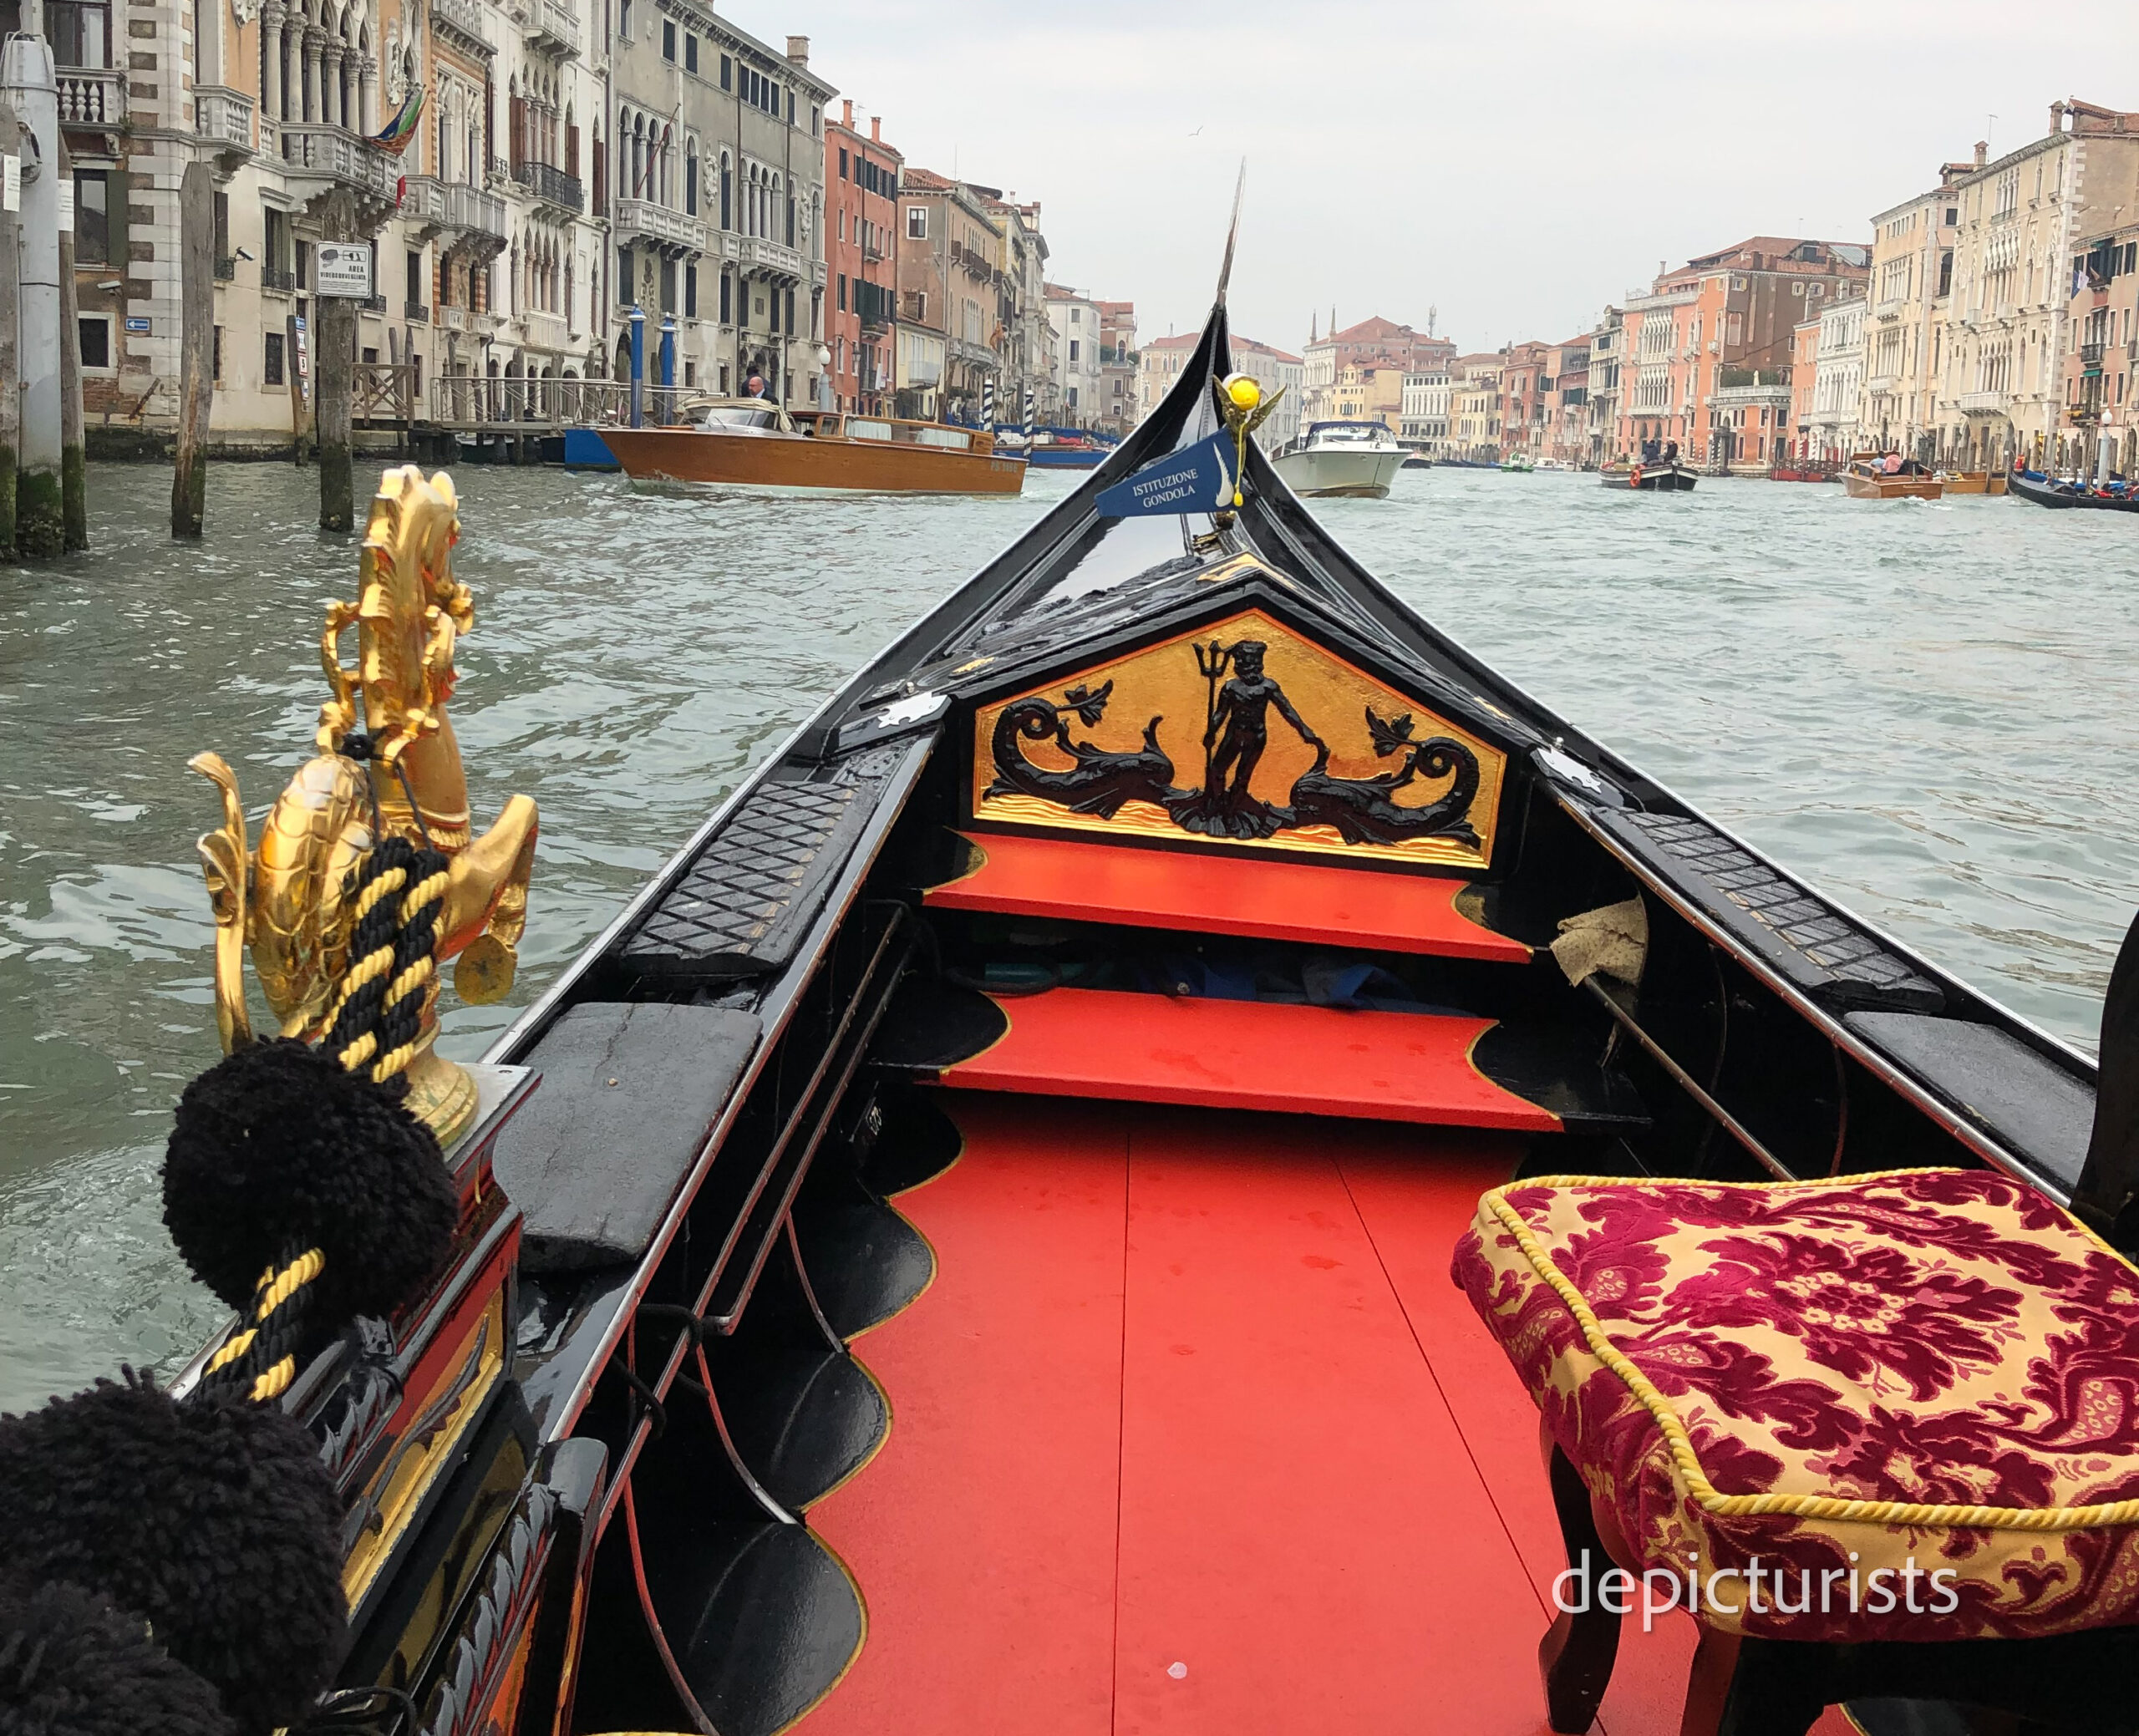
<point>969,1245</point>
<point>1667,476</point>
<point>2045,491</point>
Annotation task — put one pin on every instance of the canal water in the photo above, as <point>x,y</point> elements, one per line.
<point>1927,709</point>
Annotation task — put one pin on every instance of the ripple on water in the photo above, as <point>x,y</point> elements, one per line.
<point>1926,713</point>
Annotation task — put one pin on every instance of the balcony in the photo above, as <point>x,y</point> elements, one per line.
<point>373,304</point>
<point>416,312</point>
<point>463,18</point>
<point>547,331</point>
<point>640,220</point>
<point>2091,361</point>
<point>92,96</point>
<point>273,277</point>
<point>223,115</point>
<point>335,154</point>
<point>760,255</point>
<point>552,185</point>
<point>1883,383</point>
<point>467,217</point>
<point>551,28</point>
<point>1983,403</point>
<point>226,268</point>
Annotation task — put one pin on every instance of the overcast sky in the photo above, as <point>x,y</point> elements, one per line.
<point>1515,166</point>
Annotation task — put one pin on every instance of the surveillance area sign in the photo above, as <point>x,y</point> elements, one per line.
<point>341,270</point>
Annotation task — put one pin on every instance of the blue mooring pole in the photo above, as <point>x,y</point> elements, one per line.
<point>638,368</point>
<point>667,367</point>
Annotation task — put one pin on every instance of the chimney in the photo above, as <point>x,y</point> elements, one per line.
<point>847,113</point>
<point>875,130</point>
<point>798,50</point>
<point>1982,151</point>
<point>2057,117</point>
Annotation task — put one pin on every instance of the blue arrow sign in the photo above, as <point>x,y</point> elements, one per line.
<point>1198,479</point>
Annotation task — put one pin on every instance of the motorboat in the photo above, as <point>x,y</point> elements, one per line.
<point>752,444</point>
<point>1358,458</point>
<point>971,1240</point>
<point>1865,478</point>
<point>1660,476</point>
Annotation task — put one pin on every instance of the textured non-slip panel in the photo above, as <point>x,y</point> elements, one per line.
<point>628,1092</point>
<point>2026,1101</point>
<point>1821,952</point>
<point>743,906</point>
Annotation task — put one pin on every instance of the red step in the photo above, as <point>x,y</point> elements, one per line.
<point>1263,897</point>
<point>1246,1055</point>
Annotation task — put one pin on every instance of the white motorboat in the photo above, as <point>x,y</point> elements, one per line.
<point>1342,458</point>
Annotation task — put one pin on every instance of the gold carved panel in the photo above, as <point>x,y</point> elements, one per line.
<point>1246,733</point>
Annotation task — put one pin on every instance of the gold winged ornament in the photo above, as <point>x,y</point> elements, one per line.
<point>1244,408</point>
<point>328,871</point>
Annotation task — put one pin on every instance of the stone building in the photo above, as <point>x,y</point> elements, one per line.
<point>1525,390</point>
<point>1026,338</point>
<point>1160,361</point>
<point>1117,366</point>
<point>558,163</point>
<point>1079,341</point>
<point>1375,344</point>
<point>1474,411</point>
<point>1833,430</point>
<point>1725,317</point>
<point>861,185</point>
<point>1422,417</point>
<point>1566,403</point>
<point>2102,406</point>
<point>950,277</point>
<point>2001,373</point>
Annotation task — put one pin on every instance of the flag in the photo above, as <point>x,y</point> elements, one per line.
<point>1198,479</point>
<point>402,128</point>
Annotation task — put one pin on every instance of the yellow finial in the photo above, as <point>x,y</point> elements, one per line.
<point>1244,391</point>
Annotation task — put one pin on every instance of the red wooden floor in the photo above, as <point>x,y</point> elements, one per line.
<point>1192,1433</point>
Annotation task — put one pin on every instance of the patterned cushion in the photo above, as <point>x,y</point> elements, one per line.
<point>1935,1369</point>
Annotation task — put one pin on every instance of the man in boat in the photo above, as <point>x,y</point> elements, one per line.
<point>1241,712</point>
<point>755,386</point>
<point>1670,452</point>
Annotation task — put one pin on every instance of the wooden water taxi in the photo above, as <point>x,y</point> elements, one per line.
<point>1974,482</point>
<point>969,1245</point>
<point>748,443</point>
<point>1863,479</point>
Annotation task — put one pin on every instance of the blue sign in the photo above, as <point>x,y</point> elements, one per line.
<point>1199,479</point>
<point>136,322</point>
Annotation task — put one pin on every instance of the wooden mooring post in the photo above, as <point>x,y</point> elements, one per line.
<point>73,462</point>
<point>197,389</point>
<point>11,398</point>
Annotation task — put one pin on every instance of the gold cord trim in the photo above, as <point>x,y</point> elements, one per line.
<point>1799,1506</point>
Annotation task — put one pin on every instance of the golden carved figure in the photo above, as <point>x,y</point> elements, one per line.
<point>287,901</point>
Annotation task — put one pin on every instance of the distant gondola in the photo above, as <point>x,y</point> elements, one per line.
<point>1001,1176</point>
<point>2047,491</point>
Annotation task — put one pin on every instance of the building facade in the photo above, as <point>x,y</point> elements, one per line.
<point>1723,319</point>
<point>1607,349</point>
<point>1833,429</point>
<point>2101,409</point>
<point>2001,374</point>
<point>861,182</point>
<point>1079,342</point>
<point>1118,411</point>
<point>1422,421</point>
<point>1474,410</point>
<point>1374,344</point>
<point>1160,360</point>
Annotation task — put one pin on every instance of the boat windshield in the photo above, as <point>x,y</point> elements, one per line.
<point>1346,432</point>
<point>739,419</point>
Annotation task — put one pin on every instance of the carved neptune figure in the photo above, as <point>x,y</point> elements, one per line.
<point>289,901</point>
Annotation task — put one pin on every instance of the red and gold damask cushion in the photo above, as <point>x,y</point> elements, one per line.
<point>1910,1401</point>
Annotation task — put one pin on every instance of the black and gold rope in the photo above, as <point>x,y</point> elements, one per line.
<point>258,1362</point>
<point>397,892</point>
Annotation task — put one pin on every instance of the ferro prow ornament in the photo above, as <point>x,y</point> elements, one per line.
<point>328,866</point>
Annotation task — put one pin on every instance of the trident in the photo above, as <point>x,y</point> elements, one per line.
<point>1213,669</point>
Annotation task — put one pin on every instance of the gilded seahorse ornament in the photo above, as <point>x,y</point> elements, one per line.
<point>285,901</point>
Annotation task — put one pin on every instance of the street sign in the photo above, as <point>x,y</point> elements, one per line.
<point>340,269</point>
<point>66,191</point>
<point>11,183</point>
<point>303,347</point>
<point>136,322</point>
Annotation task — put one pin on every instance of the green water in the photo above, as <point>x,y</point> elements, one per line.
<point>1927,709</point>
